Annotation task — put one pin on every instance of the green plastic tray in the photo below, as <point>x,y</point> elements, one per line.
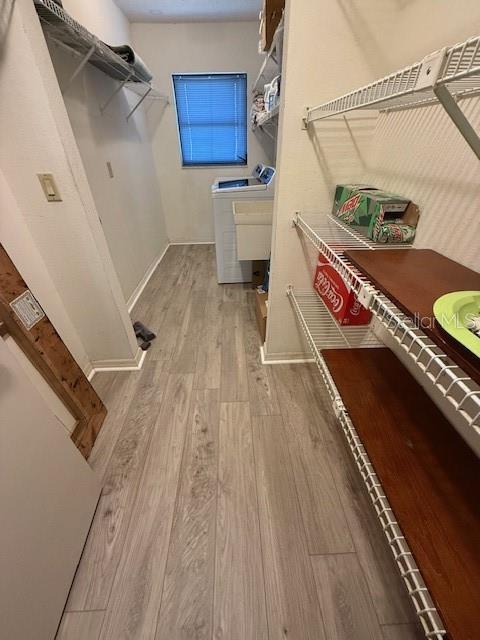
<point>452,311</point>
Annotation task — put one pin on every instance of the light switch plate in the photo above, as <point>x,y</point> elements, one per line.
<point>49,187</point>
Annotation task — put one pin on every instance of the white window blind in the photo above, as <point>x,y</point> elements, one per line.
<point>212,118</point>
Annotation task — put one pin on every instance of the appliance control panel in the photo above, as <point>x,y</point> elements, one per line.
<point>257,172</point>
<point>267,175</point>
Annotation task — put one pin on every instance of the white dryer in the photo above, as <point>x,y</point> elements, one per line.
<point>224,192</point>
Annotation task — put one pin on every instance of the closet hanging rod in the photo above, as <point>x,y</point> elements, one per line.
<point>126,83</point>
<point>62,29</point>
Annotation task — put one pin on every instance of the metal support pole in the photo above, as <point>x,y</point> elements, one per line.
<point>119,88</point>
<point>62,44</point>
<point>459,119</point>
<point>138,103</point>
<point>83,62</point>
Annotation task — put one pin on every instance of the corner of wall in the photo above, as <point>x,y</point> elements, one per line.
<point>37,137</point>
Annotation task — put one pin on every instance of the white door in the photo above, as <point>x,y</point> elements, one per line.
<point>48,495</point>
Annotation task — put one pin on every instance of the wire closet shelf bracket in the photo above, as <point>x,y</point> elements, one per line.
<point>66,32</point>
<point>333,238</point>
<point>444,77</point>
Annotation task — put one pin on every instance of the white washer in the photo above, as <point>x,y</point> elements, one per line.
<point>224,192</point>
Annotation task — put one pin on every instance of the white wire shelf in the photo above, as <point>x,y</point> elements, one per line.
<point>268,117</point>
<point>333,238</point>
<point>268,123</point>
<point>62,29</point>
<point>409,571</point>
<point>443,77</point>
<point>458,67</point>
<point>325,330</point>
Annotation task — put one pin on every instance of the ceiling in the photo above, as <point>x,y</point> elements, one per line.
<point>189,10</point>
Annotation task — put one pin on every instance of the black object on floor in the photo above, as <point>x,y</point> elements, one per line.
<point>141,331</point>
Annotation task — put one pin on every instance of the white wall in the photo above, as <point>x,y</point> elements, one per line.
<point>101,17</point>
<point>35,136</point>
<point>129,204</point>
<point>333,47</point>
<point>184,48</point>
<point>20,246</point>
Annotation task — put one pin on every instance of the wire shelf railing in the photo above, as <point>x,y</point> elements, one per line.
<point>66,32</point>
<point>458,67</point>
<point>333,238</point>
<point>443,77</point>
<point>409,571</point>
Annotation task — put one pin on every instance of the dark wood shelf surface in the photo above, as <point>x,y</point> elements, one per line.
<point>430,476</point>
<point>413,279</point>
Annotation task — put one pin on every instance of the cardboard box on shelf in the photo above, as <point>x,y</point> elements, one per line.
<point>344,194</point>
<point>271,15</point>
<point>261,313</point>
<point>337,295</point>
<point>382,216</point>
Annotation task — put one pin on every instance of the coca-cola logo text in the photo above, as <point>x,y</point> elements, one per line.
<point>356,308</point>
<point>326,288</point>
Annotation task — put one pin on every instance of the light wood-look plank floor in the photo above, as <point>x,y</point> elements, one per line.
<point>231,507</point>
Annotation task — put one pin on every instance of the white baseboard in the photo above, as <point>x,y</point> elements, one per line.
<point>284,358</point>
<point>133,364</point>
<point>132,301</point>
<point>178,244</point>
<point>129,364</point>
<point>88,371</point>
<point>98,366</point>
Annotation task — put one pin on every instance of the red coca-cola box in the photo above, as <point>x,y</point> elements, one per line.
<point>338,295</point>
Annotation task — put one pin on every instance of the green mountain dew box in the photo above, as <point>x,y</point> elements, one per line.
<point>382,216</point>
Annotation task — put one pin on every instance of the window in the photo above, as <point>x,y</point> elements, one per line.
<point>212,118</point>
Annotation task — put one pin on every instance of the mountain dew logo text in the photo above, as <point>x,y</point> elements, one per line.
<point>378,223</point>
<point>348,208</point>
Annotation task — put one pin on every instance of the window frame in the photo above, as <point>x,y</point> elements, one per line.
<point>209,165</point>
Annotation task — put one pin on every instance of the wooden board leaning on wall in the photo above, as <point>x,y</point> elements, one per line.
<point>49,355</point>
